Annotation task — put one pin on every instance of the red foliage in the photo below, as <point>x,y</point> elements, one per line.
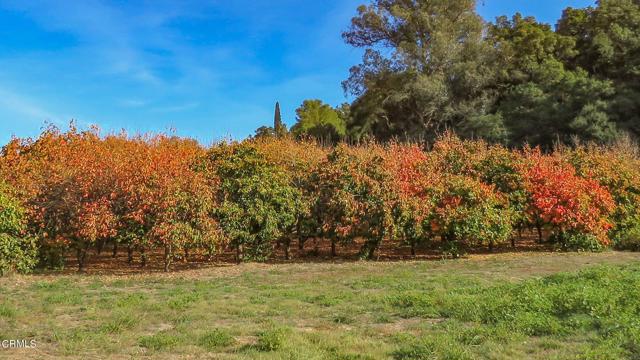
<point>81,188</point>
<point>408,167</point>
<point>561,198</point>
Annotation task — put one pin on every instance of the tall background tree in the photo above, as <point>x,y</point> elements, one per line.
<point>608,48</point>
<point>279,129</point>
<point>320,121</point>
<point>278,126</point>
<point>426,68</point>
<point>543,100</point>
<point>433,65</point>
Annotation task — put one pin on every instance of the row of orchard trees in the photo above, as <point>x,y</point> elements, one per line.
<point>77,190</point>
<point>81,190</point>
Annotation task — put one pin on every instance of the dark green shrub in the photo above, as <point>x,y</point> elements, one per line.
<point>571,241</point>
<point>629,239</point>
<point>257,201</point>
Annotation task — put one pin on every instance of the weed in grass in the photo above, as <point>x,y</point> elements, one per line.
<point>257,300</point>
<point>409,305</point>
<point>60,284</point>
<point>272,339</point>
<point>119,284</point>
<point>74,340</point>
<point>95,285</point>
<point>7,311</point>
<point>473,336</point>
<point>537,324</point>
<point>549,344</point>
<point>183,320</point>
<point>323,300</point>
<point>215,339</point>
<point>383,319</point>
<point>163,340</point>
<point>183,301</point>
<point>438,347</point>
<point>400,338</point>
<point>131,300</point>
<point>65,298</point>
<point>119,323</point>
<point>343,319</point>
<point>339,355</point>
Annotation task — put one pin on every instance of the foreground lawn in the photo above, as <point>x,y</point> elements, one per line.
<point>525,306</point>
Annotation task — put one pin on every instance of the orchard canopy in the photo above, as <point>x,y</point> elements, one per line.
<point>69,193</point>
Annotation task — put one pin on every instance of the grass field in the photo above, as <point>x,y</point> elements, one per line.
<point>508,306</point>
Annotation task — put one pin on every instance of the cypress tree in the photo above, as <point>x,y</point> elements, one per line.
<point>278,126</point>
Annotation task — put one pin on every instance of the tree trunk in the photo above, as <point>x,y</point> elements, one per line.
<point>333,247</point>
<point>167,257</point>
<point>315,241</point>
<point>413,249</point>
<point>490,246</point>
<point>114,254</point>
<point>301,242</point>
<point>287,245</point>
<point>186,255</point>
<point>129,254</point>
<point>81,254</point>
<point>100,246</point>
<point>300,237</point>
<point>210,252</point>
<point>513,242</point>
<point>143,257</point>
<point>239,253</point>
<point>539,228</point>
<point>372,252</point>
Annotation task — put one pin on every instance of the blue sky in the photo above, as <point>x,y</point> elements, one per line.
<point>210,69</point>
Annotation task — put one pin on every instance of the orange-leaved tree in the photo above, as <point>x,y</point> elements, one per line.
<point>575,208</point>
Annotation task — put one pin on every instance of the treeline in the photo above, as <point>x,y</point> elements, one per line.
<point>70,192</point>
<point>433,65</point>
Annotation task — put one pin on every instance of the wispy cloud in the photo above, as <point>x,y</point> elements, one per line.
<point>134,39</point>
<point>176,108</point>
<point>133,103</point>
<point>204,65</point>
<point>27,108</point>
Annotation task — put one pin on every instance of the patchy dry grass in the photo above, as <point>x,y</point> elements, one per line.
<point>485,307</point>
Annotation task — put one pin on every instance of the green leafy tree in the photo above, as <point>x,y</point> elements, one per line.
<point>257,201</point>
<point>608,42</point>
<point>560,106</point>
<point>299,159</point>
<point>18,251</point>
<point>264,132</point>
<point>524,44</point>
<point>426,68</point>
<point>320,121</point>
<point>545,101</point>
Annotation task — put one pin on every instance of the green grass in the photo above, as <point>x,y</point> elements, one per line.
<point>529,306</point>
